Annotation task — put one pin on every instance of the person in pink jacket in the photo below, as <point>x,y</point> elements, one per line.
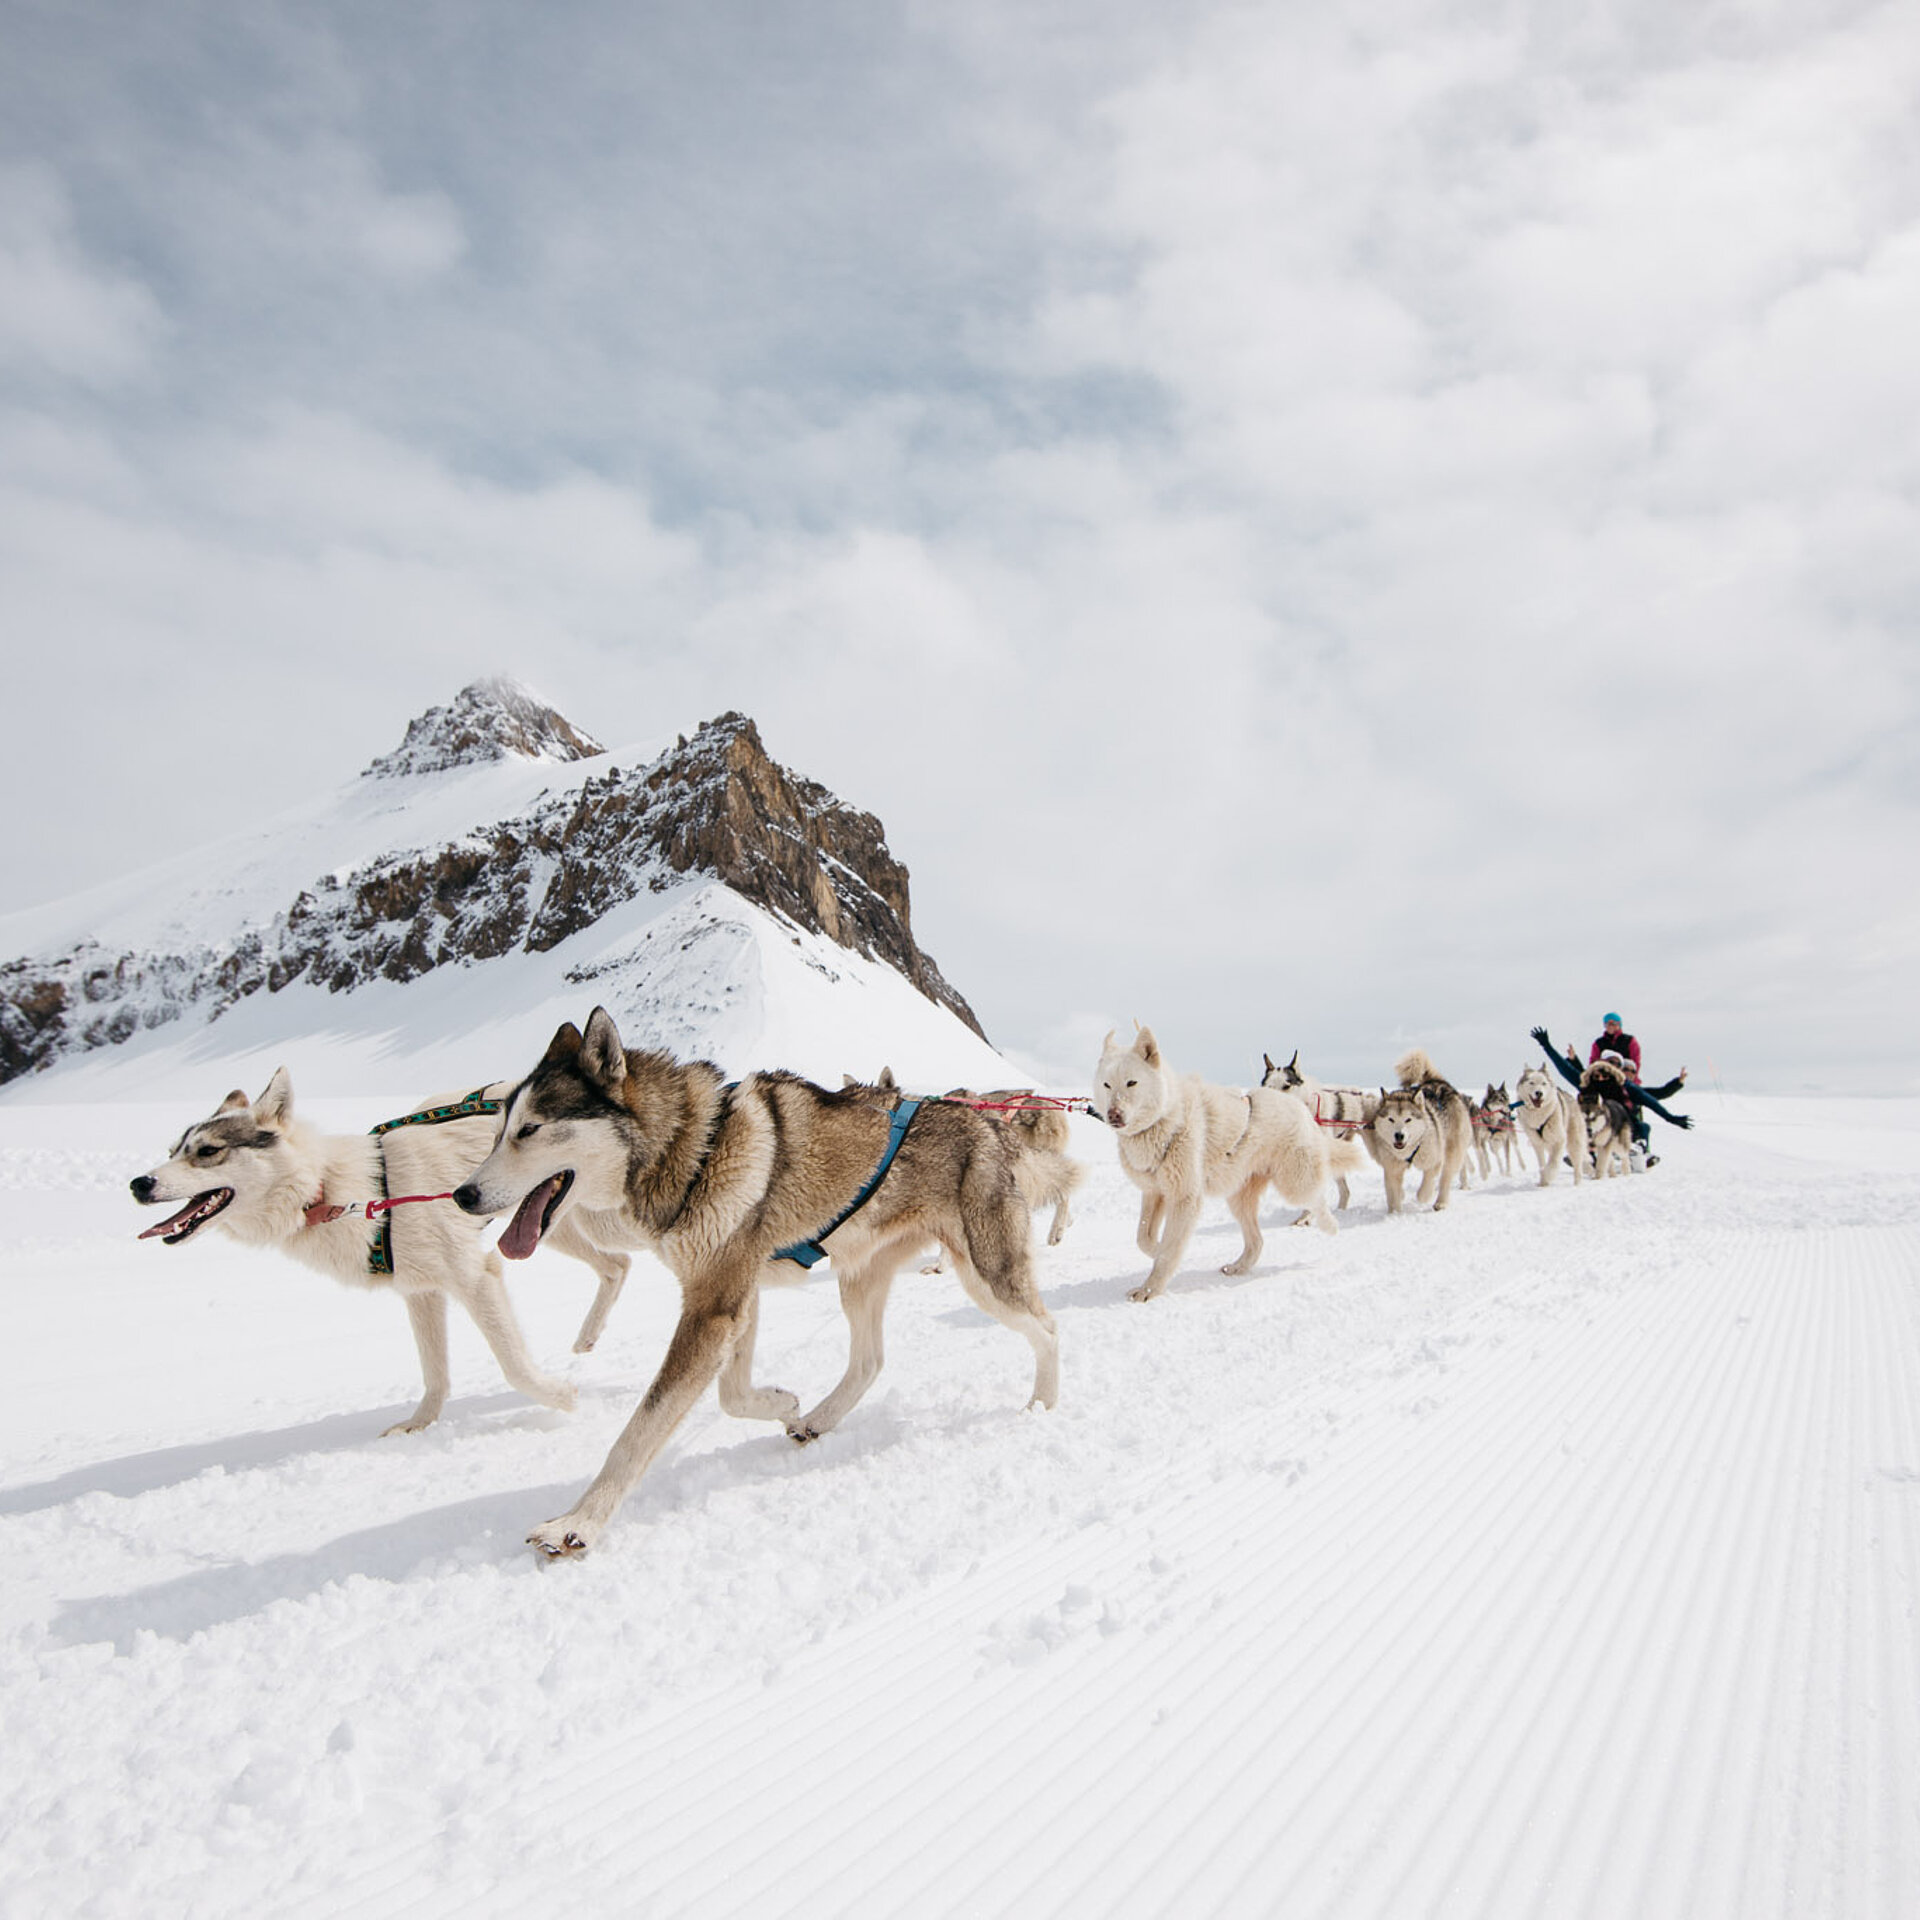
<point>1614,1040</point>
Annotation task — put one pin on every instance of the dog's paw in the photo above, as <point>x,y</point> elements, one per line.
<point>801,1434</point>
<point>417,1422</point>
<point>561,1395</point>
<point>1144,1291</point>
<point>561,1539</point>
<point>584,1344</point>
<point>1235,1268</point>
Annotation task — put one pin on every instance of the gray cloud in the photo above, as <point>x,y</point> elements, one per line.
<point>1310,530</point>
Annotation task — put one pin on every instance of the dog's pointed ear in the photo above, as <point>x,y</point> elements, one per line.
<point>1106,1045</point>
<point>564,1046</point>
<point>887,1081</point>
<point>602,1057</point>
<point>1293,1065</point>
<point>235,1102</point>
<point>1147,1047</point>
<point>847,1080</point>
<point>1266,1061</point>
<point>275,1105</point>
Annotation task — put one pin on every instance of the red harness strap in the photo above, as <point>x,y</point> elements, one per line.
<point>320,1211</point>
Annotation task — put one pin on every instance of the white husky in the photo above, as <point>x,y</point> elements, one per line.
<point>1550,1117</point>
<point>1182,1140</point>
<point>271,1180</point>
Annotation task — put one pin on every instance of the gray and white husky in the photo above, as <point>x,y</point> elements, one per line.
<point>1341,1113</point>
<point>1549,1116</point>
<point>1183,1139</point>
<point>259,1173</point>
<point>1424,1123</point>
<point>737,1185</point>
<point>1608,1116</point>
<point>1494,1134</point>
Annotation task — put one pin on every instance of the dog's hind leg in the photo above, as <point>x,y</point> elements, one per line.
<point>484,1296</point>
<point>1245,1208</point>
<point>612,1269</point>
<point>709,1326</point>
<point>738,1395</point>
<point>1062,1220</point>
<point>863,1299</point>
<point>1008,1295</point>
<point>428,1314</point>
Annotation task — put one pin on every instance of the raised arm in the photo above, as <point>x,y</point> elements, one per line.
<point>1568,1068</point>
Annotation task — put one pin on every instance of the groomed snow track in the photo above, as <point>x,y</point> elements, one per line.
<point>1620,1622</point>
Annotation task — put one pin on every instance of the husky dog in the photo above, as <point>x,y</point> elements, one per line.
<point>1039,1134</point>
<point>1182,1140</point>
<point>737,1185</point>
<point>1609,1118</point>
<point>1342,1111</point>
<point>1042,1134</point>
<point>269,1179</point>
<point>1424,1123</point>
<point>1550,1117</point>
<point>1494,1129</point>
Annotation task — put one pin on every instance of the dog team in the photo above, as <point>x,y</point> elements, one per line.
<point>735,1185</point>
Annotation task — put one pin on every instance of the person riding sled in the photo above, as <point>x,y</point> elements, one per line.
<point>1617,1047</point>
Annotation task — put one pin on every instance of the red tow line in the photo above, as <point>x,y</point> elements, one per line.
<point>1037,1103</point>
<point>321,1211</point>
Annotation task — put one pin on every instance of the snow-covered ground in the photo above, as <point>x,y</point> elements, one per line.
<point>1556,1555</point>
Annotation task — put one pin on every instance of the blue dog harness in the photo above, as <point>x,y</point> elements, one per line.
<point>809,1253</point>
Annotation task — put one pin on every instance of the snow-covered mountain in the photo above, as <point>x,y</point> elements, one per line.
<point>500,871</point>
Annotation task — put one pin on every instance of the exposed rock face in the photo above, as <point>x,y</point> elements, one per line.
<point>713,805</point>
<point>487,721</point>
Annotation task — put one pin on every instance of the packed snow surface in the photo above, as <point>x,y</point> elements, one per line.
<point>1554,1555</point>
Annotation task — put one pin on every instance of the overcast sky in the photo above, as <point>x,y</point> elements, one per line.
<point>1312,531</point>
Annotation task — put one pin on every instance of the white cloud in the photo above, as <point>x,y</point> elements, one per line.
<point>61,312</point>
<point>1310,528</point>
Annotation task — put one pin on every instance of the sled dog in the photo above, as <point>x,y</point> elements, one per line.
<point>1341,1112</point>
<point>1493,1130</point>
<point>260,1173</point>
<point>1609,1118</point>
<point>1041,1134</point>
<point>1423,1123</point>
<point>1550,1117</point>
<point>1183,1140</point>
<point>739,1185</point>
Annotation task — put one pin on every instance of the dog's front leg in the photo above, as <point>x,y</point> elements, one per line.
<point>1394,1172</point>
<point>484,1295</point>
<point>709,1326</point>
<point>738,1395</point>
<point>1176,1230</point>
<point>1153,1208</point>
<point>428,1314</point>
<point>609,1267</point>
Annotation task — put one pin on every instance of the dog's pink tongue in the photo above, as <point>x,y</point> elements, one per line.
<point>523,1230</point>
<point>173,1219</point>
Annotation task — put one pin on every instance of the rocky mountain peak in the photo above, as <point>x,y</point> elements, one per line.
<point>493,719</point>
<point>715,806</point>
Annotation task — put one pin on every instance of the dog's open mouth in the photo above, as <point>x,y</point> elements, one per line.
<point>534,1216</point>
<point>191,1218</point>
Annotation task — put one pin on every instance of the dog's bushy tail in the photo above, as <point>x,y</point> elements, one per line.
<point>1414,1066</point>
